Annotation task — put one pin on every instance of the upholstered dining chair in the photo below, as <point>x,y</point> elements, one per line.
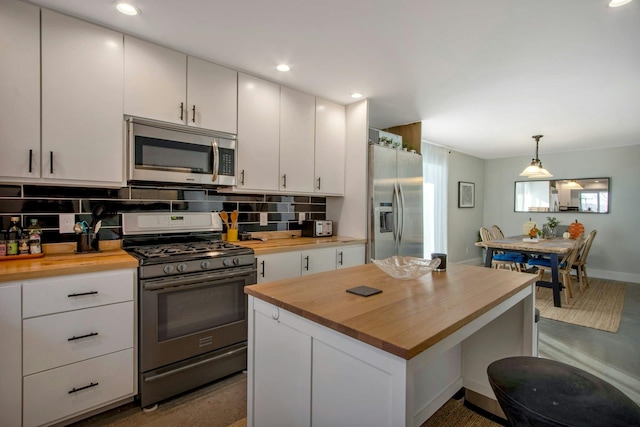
<point>580,264</point>
<point>509,261</point>
<point>564,267</point>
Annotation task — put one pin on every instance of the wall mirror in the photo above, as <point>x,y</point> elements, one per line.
<point>588,195</point>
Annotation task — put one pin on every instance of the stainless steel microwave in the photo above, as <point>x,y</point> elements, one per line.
<point>162,152</point>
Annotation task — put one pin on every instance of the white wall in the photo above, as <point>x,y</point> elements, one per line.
<point>616,248</point>
<point>464,223</point>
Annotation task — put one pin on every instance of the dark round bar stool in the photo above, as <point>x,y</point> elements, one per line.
<point>541,392</point>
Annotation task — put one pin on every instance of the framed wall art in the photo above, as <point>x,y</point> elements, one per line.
<point>466,194</point>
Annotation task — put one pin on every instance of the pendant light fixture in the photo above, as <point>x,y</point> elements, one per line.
<point>535,169</point>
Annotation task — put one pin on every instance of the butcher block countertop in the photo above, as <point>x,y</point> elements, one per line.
<point>62,260</point>
<point>284,242</point>
<point>405,319</point>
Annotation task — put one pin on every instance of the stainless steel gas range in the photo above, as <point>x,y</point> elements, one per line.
<point>192,306</point>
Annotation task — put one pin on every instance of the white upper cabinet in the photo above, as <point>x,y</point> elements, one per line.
<point>155,81</point>
<point>297,124</point>
<point>82,86</point>
<point>19,90</point>
<point>166,85</point>
<point>212,96</point>
<point>258,133</point>
<point>330,147</point>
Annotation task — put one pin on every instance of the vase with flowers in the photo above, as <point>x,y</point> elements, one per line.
<point>550,226</point>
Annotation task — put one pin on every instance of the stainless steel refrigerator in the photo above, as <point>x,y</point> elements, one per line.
<point>395,203</point>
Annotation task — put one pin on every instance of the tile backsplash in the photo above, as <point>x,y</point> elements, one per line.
<point>46,202</point>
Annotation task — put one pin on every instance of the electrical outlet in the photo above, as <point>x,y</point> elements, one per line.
<point>66,222</point>
<point>264,218</point>
<point>300,217</point>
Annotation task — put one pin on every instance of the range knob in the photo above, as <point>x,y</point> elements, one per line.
<point>236,261</point>
<point>227,262</point>
<point>181,267</point>
<point>168,269</point>
<point>205,264</point>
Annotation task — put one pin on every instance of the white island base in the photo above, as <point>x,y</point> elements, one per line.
<point>304,374</point>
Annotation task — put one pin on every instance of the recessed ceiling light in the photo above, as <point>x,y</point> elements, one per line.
<point>283,67</point>
<point>356,95</point>
<point>126,8</point>
<point>616,3</point>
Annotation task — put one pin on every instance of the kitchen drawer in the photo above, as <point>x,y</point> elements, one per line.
<point>47,296</point>
<point>46,344</point>
<point>49,396</point>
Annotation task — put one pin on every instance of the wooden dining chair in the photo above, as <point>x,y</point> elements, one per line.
<point>509,261</point>
<point>580,264</point>
<point>564,267</point>
<point>497,233</point>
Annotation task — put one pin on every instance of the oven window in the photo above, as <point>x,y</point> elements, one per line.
<point>187,311</point>
<point>161,154</point>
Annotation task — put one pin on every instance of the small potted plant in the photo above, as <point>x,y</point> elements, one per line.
<point>404,147</point>
<point>552,223</point>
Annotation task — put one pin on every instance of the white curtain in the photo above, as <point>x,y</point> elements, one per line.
<point>435,166</point>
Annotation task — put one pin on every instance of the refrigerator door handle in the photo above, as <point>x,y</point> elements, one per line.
<point>401,219</point>
<point>395,200</point>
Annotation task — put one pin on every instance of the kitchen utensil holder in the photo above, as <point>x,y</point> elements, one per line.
<point>88,242</point>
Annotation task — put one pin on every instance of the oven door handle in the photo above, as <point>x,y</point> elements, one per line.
<point>195,280</point>
<point>200,363</point>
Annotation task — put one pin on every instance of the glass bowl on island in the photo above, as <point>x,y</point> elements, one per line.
<point>405,267</point>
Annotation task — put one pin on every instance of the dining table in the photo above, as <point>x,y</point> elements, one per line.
<point>555,248</point>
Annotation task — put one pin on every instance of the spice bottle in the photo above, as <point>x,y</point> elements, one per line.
<point>35,237</point>
<point>14,232</point>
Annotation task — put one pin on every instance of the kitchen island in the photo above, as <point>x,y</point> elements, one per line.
<point>324,357</point>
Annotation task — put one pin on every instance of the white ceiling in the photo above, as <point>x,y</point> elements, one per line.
<point>484,76</point>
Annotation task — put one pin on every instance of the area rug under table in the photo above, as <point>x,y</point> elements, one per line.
<point>599,306</point>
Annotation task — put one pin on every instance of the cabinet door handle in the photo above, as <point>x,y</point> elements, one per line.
<point>306,267</point>
<point>284,184</point>
<point>30,159</point>
<point>242,177</point>
<point>73,390</point>
<point>51,162</point>
<point>73,338</point>
<point>182,111</point>
<point>340,260</point>
<point>262,272</point>
<point>82,294</point>
<point>193,113</point>
<point>319,183</point>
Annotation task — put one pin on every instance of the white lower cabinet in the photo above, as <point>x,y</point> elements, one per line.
<point>318,260</point>
<point>285,265</point>
<point>303,374</point>
<point>278,266</point>
<point>282,387</point>
<point>11,356</point>
<point>72,389</point>
<point>75,336</point>
<point>78,344</point>
<point>349,256</point>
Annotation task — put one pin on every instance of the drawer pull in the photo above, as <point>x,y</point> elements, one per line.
<point>92,334</point>
<point>82,388</point>
<point>82,294</point>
